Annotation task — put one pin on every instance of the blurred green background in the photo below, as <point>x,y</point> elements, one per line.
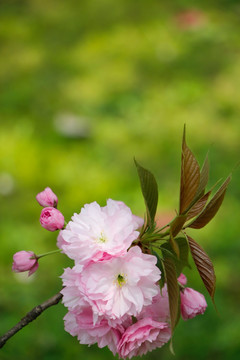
<point>85,87</point>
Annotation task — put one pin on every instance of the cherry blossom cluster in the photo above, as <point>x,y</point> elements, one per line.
<point>112,292</point>
<point>113,286</point>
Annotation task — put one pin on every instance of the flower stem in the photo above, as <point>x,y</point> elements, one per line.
<point>48,253</point>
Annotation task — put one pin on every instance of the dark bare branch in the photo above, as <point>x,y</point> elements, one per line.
<point>29,317</point>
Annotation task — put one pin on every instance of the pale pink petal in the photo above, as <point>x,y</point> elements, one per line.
<point>158,310</point>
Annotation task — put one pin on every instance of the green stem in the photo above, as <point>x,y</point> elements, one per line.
<point>165,233</point>
<point>48,253</point>
<point>168,224</point>
<point>154,239</point>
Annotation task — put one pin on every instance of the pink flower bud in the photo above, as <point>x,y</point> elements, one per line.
<point>47,198</point>
<point>182,279</point>
<point>22,262</point>
<point>192,303</point>
<point>51,219</point>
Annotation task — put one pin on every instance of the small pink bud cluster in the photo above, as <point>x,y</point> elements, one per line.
<point>50,218</point>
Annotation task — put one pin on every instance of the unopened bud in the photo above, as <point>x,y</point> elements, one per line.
<point>192,303</point>
<point>182,279</point>
<point>51,219</point>
<point>47,198</point>
<point>25,261</point>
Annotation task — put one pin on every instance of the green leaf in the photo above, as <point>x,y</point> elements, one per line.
<point>160,266</point>
<point>183,257</point>
<point>212,207</point>
<point>204,266</point>
<point>173,291</point>
<point>181,260</point>
<point>190,177</point>
<point>149,191</point>
<point>168,251</point>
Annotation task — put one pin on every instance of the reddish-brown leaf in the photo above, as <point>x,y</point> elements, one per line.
<point>173,290</point>
<point>198,206</point>
<point>204,266</point>
<point>212,207</point>
<point>190,177</point>
<point>204,174</point>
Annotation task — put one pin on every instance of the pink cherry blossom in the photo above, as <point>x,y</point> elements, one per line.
<point>99,230</point>
<point>60,239</point>
<point>138,221</point>
<point>51,219</point>
<point>73,297</point>
<point>158,310</point>
<point>121,285</point>
<point>143,336</point>
<point>192,303</point>
<point>47,198</point>
<point>25,261</point>
<point>81,324</point>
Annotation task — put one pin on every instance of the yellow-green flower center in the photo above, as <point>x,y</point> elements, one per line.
<point>121,280</point>
<point>102,238</point>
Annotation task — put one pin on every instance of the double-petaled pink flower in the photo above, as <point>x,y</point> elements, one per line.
<point>80,323</point>
<point>143,336</point>
<point>98,231</point>
<point>116,287</point>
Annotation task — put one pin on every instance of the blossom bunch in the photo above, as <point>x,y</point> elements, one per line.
<point>112,283</point>
<point>112,292</point>
<point>126,289</point>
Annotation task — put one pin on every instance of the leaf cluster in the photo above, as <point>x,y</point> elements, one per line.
<point>171,244</point>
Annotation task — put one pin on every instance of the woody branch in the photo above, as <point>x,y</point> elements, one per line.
<point>29,317</point>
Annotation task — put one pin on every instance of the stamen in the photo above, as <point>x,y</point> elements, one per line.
<point>121,280</point>
<point>102,238</point>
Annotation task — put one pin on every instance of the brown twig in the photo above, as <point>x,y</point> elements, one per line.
<point>30,316</point>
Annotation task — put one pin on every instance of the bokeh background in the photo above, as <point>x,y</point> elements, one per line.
<point>86,86</point>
